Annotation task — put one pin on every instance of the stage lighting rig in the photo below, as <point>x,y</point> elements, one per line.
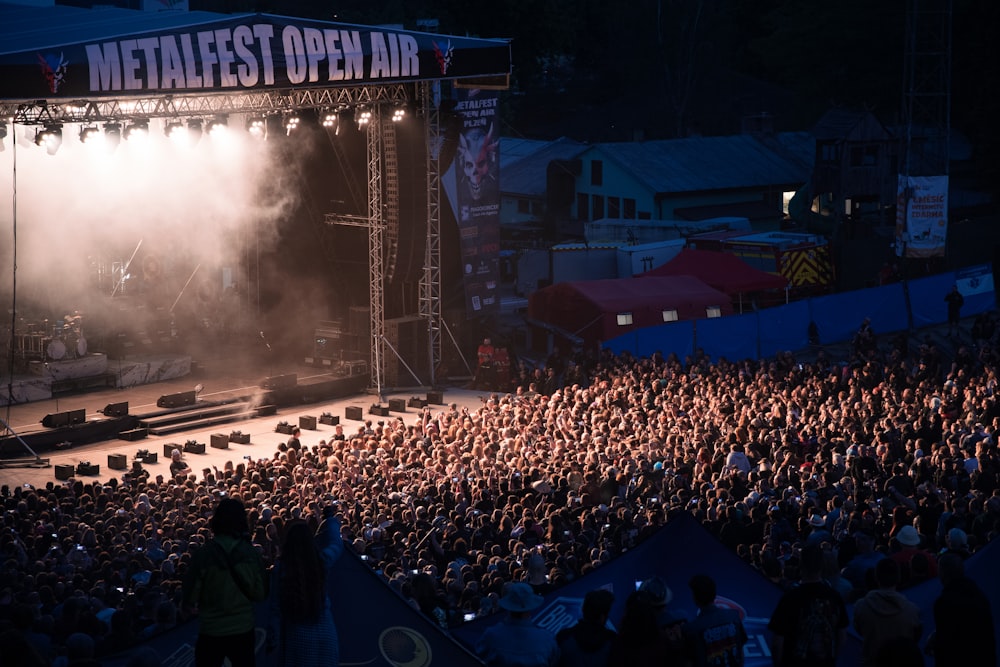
<point>290,121</point>
<point>194,129</point>
<point>89,134</point>
<point>363,116</point>
<point>257,127</point>
<point>50,137</point>
<point>217,125</point>
<point>398,114</point>
<point>112,134</point>
<point>136,130</point>
<point>174,129</point>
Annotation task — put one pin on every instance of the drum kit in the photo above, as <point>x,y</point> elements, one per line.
<point>53,343</point>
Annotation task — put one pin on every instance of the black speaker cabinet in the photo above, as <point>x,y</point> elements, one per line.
<point>397,405</point>
<point>178,400</point>
<point>307,422</point>
<point>435,397</point>
<point>169,447</point>
<point>239,437</point>
<point>192,447</point>
<point>61,419</point>
<point>116,409</point>
<point>328,419</point>
<point>354,412</point>
<point>219,441</point>
<point>117,461</point>
<point>416,402</point>
<point>64,472</point>
<point>379,410</point>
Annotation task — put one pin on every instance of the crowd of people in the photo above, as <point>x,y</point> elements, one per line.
<point>887,453</point>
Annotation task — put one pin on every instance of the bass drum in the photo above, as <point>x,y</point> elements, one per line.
<point>56,349</point>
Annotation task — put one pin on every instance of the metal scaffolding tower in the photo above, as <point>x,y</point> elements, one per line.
<point>927,88</point>
<point>430,283</point>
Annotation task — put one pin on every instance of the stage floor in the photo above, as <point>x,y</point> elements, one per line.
<point>221,379</point>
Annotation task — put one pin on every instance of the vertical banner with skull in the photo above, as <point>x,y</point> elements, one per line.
<point>477,174</point>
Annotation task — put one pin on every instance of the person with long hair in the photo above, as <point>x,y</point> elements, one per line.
<point>302,632</point>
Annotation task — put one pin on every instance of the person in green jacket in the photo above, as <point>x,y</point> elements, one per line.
<point>227,576</point>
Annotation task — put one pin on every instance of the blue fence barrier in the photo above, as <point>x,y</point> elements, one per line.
<point>891,308</point>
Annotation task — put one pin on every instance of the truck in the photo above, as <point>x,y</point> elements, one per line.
<point>805,260</point>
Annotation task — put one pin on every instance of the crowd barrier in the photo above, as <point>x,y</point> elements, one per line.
<point>901,306</point>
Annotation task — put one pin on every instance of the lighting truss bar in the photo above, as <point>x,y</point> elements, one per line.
<point>44,112</point>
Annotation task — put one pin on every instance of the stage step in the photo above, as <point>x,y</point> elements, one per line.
<point>201,420</point>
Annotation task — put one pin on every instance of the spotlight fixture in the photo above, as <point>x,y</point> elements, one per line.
<point>136,130</point>
<point>257,127</point>
<point>398,114</point>
<point>90,134</point>
<point>174,129</point>
<point>194,129</point>
<point>50,137</point>
<point>291,122</point>
<point>217,125</point>
<point>363,115</point>
<point>112,134</point>
<point>330,119</point>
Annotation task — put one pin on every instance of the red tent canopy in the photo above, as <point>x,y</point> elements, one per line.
<point>589,309</point>
<point>726,273</point>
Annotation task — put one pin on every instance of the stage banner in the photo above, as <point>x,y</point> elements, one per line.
<point>477,194</point>
<point>677,552</point>
<point>921,216</point>
<point>376,627</point>
<point>146,53</point>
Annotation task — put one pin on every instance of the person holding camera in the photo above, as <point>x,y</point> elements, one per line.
<point>225,579</point>
<point>301,629</point>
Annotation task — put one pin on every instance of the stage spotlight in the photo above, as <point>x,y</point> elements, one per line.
<point>194,130</point>
<point>290,121</point>
<point>217,125</point>
<point>257,127</point>
<point>112,134</point>
<point>363,116</point>
<point>398,114</point>
<point>136,130</point>
<point>330,119</point>
<point>174,129</point>
<point>90,134</point>
<point>50,137</point>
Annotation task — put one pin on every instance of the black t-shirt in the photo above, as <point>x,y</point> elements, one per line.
<point>809,617</point>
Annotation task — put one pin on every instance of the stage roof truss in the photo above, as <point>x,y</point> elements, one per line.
<point>44,112</point>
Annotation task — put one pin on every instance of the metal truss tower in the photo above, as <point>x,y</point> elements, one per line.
<point>927,88</point>
<point>430,283</point>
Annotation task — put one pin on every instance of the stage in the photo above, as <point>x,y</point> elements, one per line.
<point>299,395</point>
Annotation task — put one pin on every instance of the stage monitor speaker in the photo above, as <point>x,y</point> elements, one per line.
<point>61,419</point>
<point>354,412</point>
<point>435,397</point>
<point>286,381</point>
<point>178,400</point>
<point>116,409</point>
<point>307,422</point>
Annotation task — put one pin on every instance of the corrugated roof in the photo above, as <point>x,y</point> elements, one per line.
<point>529,175</point>
<point>26,27</point>
<point>698,164</point>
